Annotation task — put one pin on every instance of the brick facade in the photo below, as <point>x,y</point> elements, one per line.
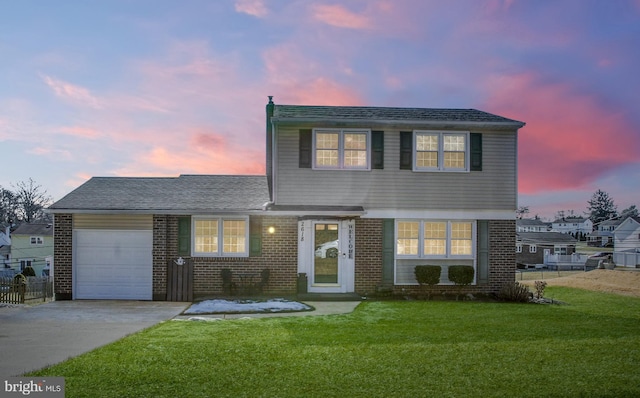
<point>502,264</point>
<point>280,254</point>
<point>62,254</point>
<point>368,268</point>
<point>502,254</point>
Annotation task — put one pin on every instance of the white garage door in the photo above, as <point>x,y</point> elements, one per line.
<point>113,264</point>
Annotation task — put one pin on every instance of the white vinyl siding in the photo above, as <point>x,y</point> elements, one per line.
<point>115,221</point>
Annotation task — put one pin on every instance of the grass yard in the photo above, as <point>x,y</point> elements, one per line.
<point>589,347</point>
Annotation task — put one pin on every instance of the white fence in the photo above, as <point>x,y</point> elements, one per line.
<point>565,259</point>
<point>627,259</point>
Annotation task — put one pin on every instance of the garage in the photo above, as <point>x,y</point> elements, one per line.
<point>113,264</point>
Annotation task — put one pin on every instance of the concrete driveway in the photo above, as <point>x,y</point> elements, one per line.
<point>34,337</point>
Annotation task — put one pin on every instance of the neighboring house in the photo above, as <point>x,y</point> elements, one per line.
<point>531,225</point>
<point>353,198</point>
<point>5,248</point>
<point>626,243</point>
<point>32,245</point>
<point>576,226</point>
<point>603,233</point>
<point>532,248</point>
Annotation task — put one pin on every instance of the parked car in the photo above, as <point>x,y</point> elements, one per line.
<point>327,249</point>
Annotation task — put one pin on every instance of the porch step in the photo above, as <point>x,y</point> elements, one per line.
<point>329,297</point>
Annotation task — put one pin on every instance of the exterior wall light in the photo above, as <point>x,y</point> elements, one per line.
<point>271,230</point>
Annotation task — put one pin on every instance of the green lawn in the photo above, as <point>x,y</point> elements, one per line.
<point>588,347</point>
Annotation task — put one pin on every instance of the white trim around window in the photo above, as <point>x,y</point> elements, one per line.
<point>435,239</point>
<point>341,149</point>
<point>441,151</point>
<point>220,236</point>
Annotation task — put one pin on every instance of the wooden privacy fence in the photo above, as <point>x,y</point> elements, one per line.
<point>180,280</point>
<point>18,289</point>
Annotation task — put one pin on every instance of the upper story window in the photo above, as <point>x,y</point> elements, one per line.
<point>441,151</point>
<point>342,149</point>
<point>437,151</point>
<point>435,239</point>
<point>36,240</point>
<point>221,236</point>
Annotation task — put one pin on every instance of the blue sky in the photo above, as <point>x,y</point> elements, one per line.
<point>162,88</point>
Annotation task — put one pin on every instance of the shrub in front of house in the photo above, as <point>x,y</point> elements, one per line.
<point>428,276</point>
<point>515,292</point>
<point>28,271</point>
<point>461,275</point>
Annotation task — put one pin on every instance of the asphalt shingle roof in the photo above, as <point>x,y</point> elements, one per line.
<point>33,229</point>
<point>351,113</point>
<point>186,194</point>
<point>545,237</point>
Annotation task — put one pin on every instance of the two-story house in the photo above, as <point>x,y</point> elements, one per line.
<point>578,227</point>
<point>32,245</point>
<point>531,225</point>
<point>626,243</point>
<point>5,249</point>
<point>603,233</point>
<point>353,199</point>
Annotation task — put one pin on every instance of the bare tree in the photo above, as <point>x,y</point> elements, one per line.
<point>32,200</point>
<point>522,211</point>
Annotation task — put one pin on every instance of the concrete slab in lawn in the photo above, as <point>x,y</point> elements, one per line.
<point>32,337</point>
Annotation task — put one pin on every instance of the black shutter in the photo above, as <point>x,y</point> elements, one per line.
<point>255,236</point>
<point>377,149</point>
<point>388,250</point>
<point>476,151</point>
<point>184,236</point>
<point>483,252</point>
<point>406,150</point>
<point>305,148</point>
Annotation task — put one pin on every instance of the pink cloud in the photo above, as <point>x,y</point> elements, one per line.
<point>73,93</point>
<point>82,132</point>
<point>202,152</point>
<point>570,140</point>
<point>52,153</point>
<point>304,84</point>
<point>161,161</point>
<point>208,141</point>
<point>256,8</point>
<point>339,16</point>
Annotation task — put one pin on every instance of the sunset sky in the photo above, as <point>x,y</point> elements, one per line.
<point>162,88</point>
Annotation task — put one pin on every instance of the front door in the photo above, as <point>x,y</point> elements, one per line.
<point>326,255</point>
